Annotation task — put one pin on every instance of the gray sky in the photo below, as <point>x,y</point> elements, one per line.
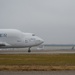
<point>52,20</point>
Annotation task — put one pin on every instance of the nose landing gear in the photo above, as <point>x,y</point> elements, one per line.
<point>29,50</point>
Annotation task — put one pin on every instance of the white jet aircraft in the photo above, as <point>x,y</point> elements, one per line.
<point>13,38</point>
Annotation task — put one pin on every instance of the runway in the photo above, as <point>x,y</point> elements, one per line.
<point>37,73</point>
<point>23,51</point>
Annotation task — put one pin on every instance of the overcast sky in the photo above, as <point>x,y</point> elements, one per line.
<point>52,20</point>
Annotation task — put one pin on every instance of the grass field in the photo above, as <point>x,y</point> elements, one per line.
<point>37,61</point>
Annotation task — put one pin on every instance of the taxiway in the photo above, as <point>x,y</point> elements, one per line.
<point>22,51</point>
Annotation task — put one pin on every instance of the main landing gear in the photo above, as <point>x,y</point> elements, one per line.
<point>29,50</point>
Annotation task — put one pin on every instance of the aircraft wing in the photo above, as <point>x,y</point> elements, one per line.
<point>3,44</point>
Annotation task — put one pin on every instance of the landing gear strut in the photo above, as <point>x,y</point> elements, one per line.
<point>29,49</point>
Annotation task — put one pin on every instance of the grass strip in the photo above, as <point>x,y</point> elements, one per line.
<point>37,62</point>
<point>34,68</point>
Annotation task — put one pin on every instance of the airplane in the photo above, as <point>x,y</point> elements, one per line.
<point>14,38</point>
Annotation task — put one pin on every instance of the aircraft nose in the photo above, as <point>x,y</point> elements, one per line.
<point>40,41</point>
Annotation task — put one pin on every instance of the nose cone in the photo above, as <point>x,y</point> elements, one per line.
<point>39,41</point>
<point>42,41</point>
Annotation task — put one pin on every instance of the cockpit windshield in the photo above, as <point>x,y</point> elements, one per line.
<point>29,34</point>
<point>33,34</point>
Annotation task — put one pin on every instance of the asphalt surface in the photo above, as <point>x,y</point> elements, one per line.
<point>37,73</point>
<point>23,51</point>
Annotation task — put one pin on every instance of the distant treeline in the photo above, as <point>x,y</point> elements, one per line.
<point>59,44</point>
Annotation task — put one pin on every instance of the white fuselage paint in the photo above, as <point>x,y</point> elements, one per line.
<point>13,38</point>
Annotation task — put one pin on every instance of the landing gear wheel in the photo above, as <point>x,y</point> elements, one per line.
<point>29,50</point>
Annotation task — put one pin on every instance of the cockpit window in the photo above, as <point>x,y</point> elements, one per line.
<point>33,34</point>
